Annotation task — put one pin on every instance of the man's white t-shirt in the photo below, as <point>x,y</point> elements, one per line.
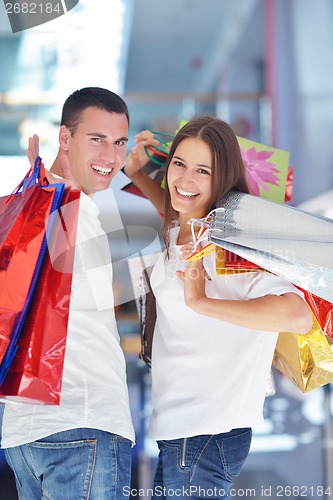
<point>208,376</point>
<point>94,389</point>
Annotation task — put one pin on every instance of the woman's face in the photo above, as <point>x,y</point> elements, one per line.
<point>190,178</point>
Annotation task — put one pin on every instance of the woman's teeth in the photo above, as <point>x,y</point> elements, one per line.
<point>101,170</point>
<point>186,193</point>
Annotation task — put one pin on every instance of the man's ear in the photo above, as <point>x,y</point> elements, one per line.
<point>64,137</point>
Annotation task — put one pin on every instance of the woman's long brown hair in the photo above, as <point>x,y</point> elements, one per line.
<point>228,171</point>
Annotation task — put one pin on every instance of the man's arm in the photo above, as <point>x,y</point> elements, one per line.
<point>33,152</point>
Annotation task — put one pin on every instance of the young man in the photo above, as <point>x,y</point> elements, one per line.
<point>82,448</point>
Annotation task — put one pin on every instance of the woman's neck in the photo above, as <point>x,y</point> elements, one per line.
<point>185,233</point>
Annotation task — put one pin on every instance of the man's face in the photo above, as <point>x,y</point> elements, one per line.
<point>97,149</point>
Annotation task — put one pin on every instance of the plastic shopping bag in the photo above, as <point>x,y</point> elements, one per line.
<point>307,360</point>
<point>35,375</point>
<point>23,225</point>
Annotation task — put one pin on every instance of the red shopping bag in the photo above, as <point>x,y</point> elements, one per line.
<point>23,217</point>
<point>35,375</point>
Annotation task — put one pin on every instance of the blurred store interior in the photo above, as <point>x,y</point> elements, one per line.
<point>265,67</point>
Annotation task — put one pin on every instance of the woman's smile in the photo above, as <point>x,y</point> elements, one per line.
<point>190,179</point>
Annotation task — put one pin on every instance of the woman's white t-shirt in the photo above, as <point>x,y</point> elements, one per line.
<point>208,376</point>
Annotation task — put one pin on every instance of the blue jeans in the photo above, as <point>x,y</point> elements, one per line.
<point>78,464</point>
<point>201,466</point>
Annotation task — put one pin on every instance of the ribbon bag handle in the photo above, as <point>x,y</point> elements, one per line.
<point>35,175</point>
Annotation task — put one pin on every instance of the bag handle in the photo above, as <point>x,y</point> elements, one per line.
<point>35,175</point>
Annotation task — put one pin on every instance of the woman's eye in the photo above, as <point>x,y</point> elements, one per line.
<point>178,163</point>
<point>202,171</point>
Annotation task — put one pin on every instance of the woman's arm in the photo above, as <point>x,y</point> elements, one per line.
<point>277,313</point>
<point>133,168</point>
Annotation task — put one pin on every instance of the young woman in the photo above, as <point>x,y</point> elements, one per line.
<point>215,334</point>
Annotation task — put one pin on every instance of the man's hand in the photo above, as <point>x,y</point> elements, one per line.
<point>33,152</point>
<point>33,149</point>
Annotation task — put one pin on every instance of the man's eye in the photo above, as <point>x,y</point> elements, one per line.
<point>96,139</point>
<point>120,143</point>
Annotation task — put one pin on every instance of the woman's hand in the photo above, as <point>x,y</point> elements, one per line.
<point>135,162</point>
<point>137,157</point>
<point>186,251</point>
<point>194,277</point>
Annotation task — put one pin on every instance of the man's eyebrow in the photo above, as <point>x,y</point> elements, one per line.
<point>97,134</point>
<point>103,136</point>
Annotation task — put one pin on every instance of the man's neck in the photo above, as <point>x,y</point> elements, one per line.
<point>55,169</point>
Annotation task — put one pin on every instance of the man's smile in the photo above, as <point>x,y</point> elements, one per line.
<point>102,170</point>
